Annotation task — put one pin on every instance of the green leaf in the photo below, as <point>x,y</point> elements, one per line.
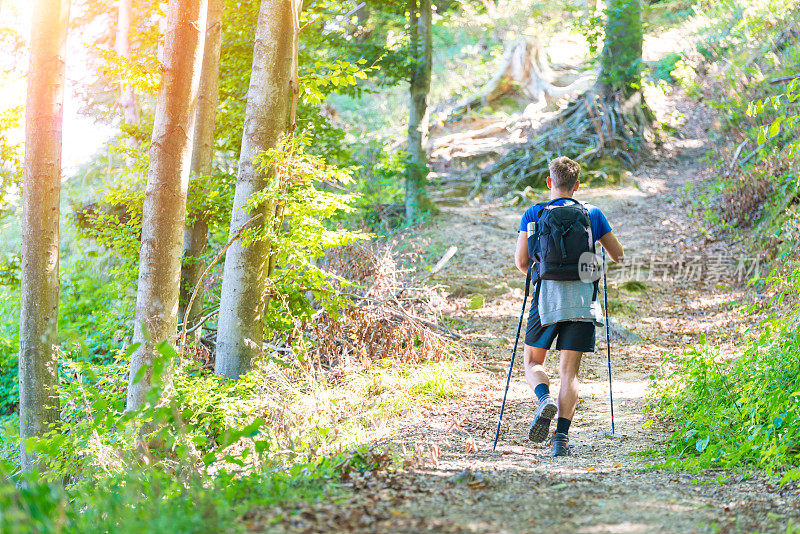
<point>701,444</point>
<point>476,302</point>
<point>261,446</point>
<point>252,429</point>
<point>775,128</point>
<point>140,373</point>
<point>100,405</point>
<point>145,332</point>
<point>130,349</point>
<point>166,350</point>
<point>233,460</point>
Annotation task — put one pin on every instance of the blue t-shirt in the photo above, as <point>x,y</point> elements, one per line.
<point>600,226</point>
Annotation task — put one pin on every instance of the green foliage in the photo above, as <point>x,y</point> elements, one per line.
<point>9,332</point>
<point>591,24</point>
<point>308,194</point>
<point>195,457</point>
<point>784,130</point>
<point>334,58</point>
<point>94,310</point>
<point>740,412</point>
<point>686,76</point>
<point>9,363</point>
<point>99,94</point>
<point>114,220</point>
<point>663,68</point>
<point>211,198</point>
<point>436,383</point>
<point>156,500</point>
<point>379,182</point>
<point>757,100</point>
<point>10,156</point>
<point>326,76</point>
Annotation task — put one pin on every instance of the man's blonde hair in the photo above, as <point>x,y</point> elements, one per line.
<point>564,173</point>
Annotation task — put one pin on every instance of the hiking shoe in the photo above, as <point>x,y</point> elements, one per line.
<point>541,423</point>
<point>561,445</point>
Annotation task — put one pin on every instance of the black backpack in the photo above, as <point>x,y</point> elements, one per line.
<point>560,240</point>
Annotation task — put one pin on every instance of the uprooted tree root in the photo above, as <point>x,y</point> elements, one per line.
<point>525,73</point>
<point>596,124</point>
<point>524,70</point>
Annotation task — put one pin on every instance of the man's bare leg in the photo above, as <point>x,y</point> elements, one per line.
<point>567,399</point>
<point>540,384</point>
<point>534,366</point>
<point>568,372</point>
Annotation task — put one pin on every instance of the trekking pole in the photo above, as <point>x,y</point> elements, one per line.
<point>511,367</point>
<point>608,341</point>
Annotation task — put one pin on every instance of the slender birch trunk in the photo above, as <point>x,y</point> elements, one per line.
<point>41,195</point>
<point>420,25</point>
<point>195,236</point>
<point>241,321</point>
<point>164,210</point>
<point>122,45</point>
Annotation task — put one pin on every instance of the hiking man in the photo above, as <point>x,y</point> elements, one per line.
<point>564,307</point>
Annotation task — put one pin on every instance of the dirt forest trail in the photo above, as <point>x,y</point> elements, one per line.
<point>603,487</point>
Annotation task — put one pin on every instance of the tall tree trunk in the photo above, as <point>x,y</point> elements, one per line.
<point>620,82</point>
<point>241,327</point>
<point>195,237</point>
<point>419,87</point>
<point>41,195</point>
<point>164,210</point>
<point>122,45</point>
<point>621,59</point>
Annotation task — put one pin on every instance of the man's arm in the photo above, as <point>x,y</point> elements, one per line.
<point>521,256</point>
<point>610,243</point>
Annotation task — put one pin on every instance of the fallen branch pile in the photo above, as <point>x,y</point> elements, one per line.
<point>392,313</point>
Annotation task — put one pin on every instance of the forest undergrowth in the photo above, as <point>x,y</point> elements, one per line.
<point>290,431</point>
<point>739,412</point>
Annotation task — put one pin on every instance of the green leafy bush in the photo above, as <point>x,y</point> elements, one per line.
<point>156,500</point>
<point>176,465</point>
<point>9,345</point>
<point>663,68</point>
<point>380,182</point>
<point>742,412</point>
<point>309,198</point>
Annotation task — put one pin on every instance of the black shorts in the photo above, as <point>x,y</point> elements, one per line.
<point>572,335</point>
